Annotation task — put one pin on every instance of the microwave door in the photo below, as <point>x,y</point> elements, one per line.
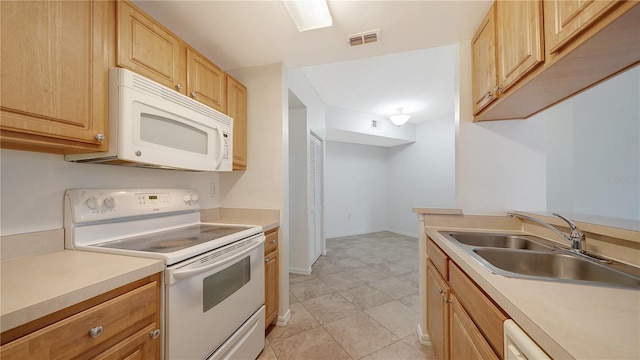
<point>152,134</point>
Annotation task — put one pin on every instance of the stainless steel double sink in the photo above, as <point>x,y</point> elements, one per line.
<point>531,257</point>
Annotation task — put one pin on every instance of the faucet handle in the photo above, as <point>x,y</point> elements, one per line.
<point>577,237</point>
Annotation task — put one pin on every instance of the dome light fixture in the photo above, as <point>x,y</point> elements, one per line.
<point>399,118</point>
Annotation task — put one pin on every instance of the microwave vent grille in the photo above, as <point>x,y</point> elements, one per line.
<point>165,93</point>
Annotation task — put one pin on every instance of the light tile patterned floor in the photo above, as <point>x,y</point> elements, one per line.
<point>360,302</point>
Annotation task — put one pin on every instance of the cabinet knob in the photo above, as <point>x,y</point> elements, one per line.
<point>440,291</point>
<point>273,241</point>
<point>194,94</point>
<point>96,331</point>
<point>268,261</point>
<point>154,334</point>
<point>99,137</point>
<point>448,301</point>
<point>178,86</point>
<point>488,95</point>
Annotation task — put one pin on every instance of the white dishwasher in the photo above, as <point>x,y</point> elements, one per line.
<point>519,346</point>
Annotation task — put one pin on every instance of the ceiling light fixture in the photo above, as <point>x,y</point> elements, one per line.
<point>399,118</point>
<point>309,14</point>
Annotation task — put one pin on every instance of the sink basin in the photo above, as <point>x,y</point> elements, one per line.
<point>522,242</point>
<point>554,265</point>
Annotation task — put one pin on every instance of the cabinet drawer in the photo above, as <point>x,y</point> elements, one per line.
<point>68,338</point>
<point>438,257</point>
<point>271,242</point>
<point>484,313</point>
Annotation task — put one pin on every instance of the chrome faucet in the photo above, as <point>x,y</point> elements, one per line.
<point>576,238</point>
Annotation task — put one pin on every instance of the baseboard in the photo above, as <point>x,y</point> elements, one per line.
<point>283,320</point>
<point>423,337</point>
<point>306,271</point>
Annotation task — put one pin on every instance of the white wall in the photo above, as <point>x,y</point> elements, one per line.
<point>298,192</point>
<point>261,185</point>
<point>314,120</point>
<point>421,175</point>
<point>355,189</point>
<point>594,150</point>
<point>33,185</point>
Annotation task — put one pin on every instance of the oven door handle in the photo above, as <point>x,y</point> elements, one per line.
<point>183,274</point>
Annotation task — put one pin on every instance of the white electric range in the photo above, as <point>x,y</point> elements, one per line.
<point>213,303</point>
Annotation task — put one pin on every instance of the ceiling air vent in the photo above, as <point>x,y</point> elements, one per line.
<point>366,37</point>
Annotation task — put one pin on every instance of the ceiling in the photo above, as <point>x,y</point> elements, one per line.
<point>410,65</point>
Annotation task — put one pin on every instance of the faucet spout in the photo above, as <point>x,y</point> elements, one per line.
<point>576,238</point>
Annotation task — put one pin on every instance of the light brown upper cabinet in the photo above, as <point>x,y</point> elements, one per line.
<point>147,48</point>
<point>55,58</point>
<point>585,42</point>
<point>564,20</point>
<point>484,62</point>
<point>519,34</point>
<point>206,82</point>
<point>237,109</point>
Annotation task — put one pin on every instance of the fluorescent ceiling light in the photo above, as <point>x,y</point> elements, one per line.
<point>309,14</point>
<point>399,118</point>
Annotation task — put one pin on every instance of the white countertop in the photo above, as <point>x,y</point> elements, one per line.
<point>35,286</point>
<point>566,320</point>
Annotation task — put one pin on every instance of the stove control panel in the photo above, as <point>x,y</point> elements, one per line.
<point>93,205</point>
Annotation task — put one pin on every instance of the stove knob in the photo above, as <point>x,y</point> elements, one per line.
<point>94,202</point>
<point>194,198</point>
<point>110,202</point>
<point>187,199</point>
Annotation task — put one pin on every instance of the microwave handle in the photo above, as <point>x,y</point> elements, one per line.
<point>221,142</point>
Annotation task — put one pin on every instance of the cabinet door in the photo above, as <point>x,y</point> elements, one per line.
<point>206,82</point>
<point>54,74</point>
<point>484,63</point>
<point>147,48</point>
<point>271,285</point>
<point>237,109</point>
<point>564,20</point>
<point>520,45</point>
<point>437,312</point>
<point>139,346</point>
<point>466,340</point>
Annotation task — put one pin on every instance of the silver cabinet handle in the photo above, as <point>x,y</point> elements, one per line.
<point>178,86</point>
<point>154,334</point>
<point>488,95</point>
<point>99,137</point>
<point>269,261</point>
<point>440,291</point>
<point>96,331</point>
<point>194,94</point>
<point>273,241</point>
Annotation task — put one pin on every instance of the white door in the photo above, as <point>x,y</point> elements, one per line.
<point>315,198</point>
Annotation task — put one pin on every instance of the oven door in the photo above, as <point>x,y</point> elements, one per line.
<point>211,296</point>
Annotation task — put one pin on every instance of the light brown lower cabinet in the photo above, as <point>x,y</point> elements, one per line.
<point>121,324</point>
<point>463,322</point>
<point>437,311</point>
<point>467,342</point>
<point>271,276</point>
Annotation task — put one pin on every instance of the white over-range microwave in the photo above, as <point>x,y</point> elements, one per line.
<point>153,126</point>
